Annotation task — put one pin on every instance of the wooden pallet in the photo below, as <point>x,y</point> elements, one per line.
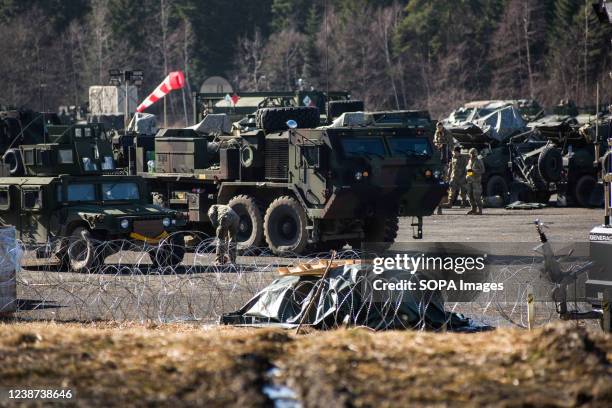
<point>318,268</point>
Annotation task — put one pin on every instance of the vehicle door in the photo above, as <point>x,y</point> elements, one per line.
<point>310,165</point>
<point>8,205</point>
<point>33,228</point>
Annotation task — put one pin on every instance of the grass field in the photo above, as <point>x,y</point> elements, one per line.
<point>115,364</point>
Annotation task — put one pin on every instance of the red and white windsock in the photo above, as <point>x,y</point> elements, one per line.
<point>174,80</point>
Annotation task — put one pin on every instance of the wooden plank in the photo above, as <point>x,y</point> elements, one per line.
<point>317,269</point>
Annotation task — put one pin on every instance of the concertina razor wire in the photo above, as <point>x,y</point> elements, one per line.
<point>127,287</point>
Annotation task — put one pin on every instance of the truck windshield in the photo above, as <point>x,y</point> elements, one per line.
<point>363,146</point>
<point>120,191</point>
<point>81,192</point>
<point>409,146</point>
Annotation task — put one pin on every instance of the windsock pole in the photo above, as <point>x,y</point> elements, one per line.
<point>175,80</point>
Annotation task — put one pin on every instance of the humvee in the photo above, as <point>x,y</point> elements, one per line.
<point>64,198</point>
<point>295,185</point>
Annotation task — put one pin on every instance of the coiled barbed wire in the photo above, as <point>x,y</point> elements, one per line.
<point>128,286</point>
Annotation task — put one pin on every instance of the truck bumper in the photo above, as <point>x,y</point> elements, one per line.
<point>366,201</point>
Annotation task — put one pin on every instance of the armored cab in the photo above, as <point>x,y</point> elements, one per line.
<point>67,198</point>
<point>296,185</point>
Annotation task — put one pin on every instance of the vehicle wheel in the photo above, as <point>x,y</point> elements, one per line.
<point>275,119</point>
<point>381,230</point>
<point>337,108</point>
<point>285,226</point>
<point>13,158</point>
<point>170,252</point>
<point>82,251</point>
<point>497,186</point>
<point>520,191</point>
<point>60,250</point>
<point>583,190</point>
<point>550,164</point>
<point>542,197</point>
<point>250,231</point>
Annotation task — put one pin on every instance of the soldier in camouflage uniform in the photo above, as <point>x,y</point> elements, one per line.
<point>475,169</point>
<point>227,222</point>
<point>457,181</point>
<point>443,141</point>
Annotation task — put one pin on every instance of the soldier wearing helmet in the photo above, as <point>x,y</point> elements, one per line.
<point>475,169</point>
<point>226,221</point>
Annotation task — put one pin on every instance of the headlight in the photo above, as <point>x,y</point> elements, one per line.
<point>437,174</point>
<point>358,176</point>
<point>173,222</point>
<point>125,223</point>
<point>166,221</point>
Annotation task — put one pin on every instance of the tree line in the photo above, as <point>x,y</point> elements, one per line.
<point>425,54</point>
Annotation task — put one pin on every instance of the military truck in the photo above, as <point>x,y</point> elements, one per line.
<point>296,187</point>
<point>64,198</point>
<point>330,105</point>
<point>579,148</point>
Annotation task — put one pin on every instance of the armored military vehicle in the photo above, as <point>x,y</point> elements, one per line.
<point>579,147</point>
<point>295,185</point>
<point>64,197</point>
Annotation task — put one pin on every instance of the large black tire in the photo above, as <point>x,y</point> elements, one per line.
<point>285,226</point>
<point>82,253</point>
<point>169,253</point>
<point>550,164</point>
<point>584,189</point>
<point>275,119</point>
<point>381,230</point>
<point>13,158</point>
<point>497,186</point>
<point>337,108</point>
<point>250,231</point>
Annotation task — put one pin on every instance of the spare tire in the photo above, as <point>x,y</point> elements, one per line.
<point>12,157</point>
<point>584,189</point>
<point>337,108</point>
<point>550,164</point>
<point>275,119</point>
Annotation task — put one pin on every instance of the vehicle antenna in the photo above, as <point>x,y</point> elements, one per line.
<point>326,52</point>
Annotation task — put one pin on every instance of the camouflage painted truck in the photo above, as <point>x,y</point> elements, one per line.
<point>302,187</point>
<point>66,199</point>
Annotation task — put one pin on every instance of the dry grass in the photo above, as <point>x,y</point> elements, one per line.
<point>183,365</point>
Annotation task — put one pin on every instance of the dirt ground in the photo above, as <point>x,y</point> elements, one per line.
<point>187,365</point>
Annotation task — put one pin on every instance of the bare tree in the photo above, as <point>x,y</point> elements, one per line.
<point>283,59</point>
<point>249,59</point>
